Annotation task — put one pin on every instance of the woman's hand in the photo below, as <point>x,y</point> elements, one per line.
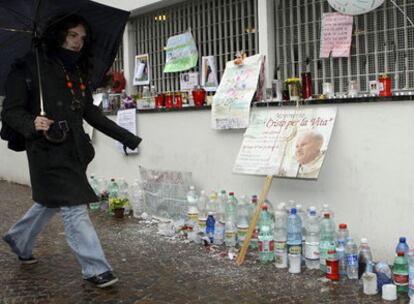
<point>42,123</point>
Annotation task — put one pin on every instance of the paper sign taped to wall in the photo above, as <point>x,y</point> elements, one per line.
<point>336,35</point>
<point>286,143</point>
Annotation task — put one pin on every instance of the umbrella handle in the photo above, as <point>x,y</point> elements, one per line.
<point>55,140</point>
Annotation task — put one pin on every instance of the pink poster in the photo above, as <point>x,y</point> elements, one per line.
<point>336,35</point>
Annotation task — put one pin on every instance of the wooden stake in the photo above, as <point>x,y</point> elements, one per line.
<point>262,198</point>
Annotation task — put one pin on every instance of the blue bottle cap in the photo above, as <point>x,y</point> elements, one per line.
<point>293,211</point>
<point>402,239</point>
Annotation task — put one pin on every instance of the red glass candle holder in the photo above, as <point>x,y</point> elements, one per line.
<point>199,96</point>
<point>159,101</point>
<point>169,101</point>
<point>306,85</point>
<point>385,85</point>
<point>178,100</point>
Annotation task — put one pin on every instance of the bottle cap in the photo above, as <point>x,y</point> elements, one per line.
<point>402,239</point>
<point>364,241</point>
<point>293,211</point>
<point>326,215</point>
<point>400,253</point>
<point>312,208</point>
<point>312,212</point>
<point>264,207</point>
<point>343,226</point>
<point>210,213</point>
<point>231,193</point>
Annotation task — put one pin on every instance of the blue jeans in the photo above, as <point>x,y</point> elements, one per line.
<point>79,231</point>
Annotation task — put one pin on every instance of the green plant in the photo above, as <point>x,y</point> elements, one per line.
<point>117,202</point>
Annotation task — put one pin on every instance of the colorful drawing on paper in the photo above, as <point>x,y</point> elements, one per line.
<point>231,103</point>
<point>181,53</point>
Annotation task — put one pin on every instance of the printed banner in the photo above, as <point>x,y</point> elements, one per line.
<point>142,70</point>
<point>127,119</point>
<point>336,35</point>
<point>286,143</point>
<point>231,103</point>
<point>181,53</point>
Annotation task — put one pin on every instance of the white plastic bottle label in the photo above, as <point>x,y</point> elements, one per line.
<point>312,251</point>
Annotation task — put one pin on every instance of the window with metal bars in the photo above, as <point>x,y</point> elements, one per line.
<point>118,64</point>
<point>382,42</point>
<point>219,27</point>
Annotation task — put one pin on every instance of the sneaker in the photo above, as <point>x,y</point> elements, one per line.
<point>103,280</point>
<point>28,261</point>
<point>24,261</point>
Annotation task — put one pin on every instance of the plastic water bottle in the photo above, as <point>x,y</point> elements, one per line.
<point>410,257</point>
<point>202,210</point>
<point>341,237</point>
<point>192,212</point>
<point>95,187</point>
<point>113,189</point>
<point>210,226</point>
<point>294,233</point>
<point>242,220</point>
<point>351,255</point>
<point>327,239</point>
<point>280,236</point>
<point>325,209</point>
<point>211,205</point>
<point>219,232</point>
<point>230,233</point>
<point>231,208</point>
<point>364,258</point>
<point>266,243</point>
<point>253,240</point>
<point>400,272</point>
<point>402,246</point>
<point>123,194</point>
<point>312,240</point>
<point>137,198</point>
<point>221,205</point>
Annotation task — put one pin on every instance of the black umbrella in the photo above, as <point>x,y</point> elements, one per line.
<point>21,21</point>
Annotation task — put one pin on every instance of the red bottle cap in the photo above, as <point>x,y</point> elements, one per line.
<point>343,226</point>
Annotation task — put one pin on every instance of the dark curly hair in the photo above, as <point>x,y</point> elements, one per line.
<point>55,33</point>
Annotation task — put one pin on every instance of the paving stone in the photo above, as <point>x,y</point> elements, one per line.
<point>151,269</point>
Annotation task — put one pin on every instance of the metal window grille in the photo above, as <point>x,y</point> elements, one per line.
<point>219,27</point>
<point>382,42</point>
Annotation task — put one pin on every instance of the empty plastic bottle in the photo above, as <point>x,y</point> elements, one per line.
<point>294,233</point>
<point>202,210</point>
<point>400,272</point>
<point>137,198</point>
<point>326,209</point>
<point>211,204</point>
<point>351,255</point>
<point>410,258</point>
<point>280,236</point>
<point>253,240</point>
<point>123,194</point>
<point>365,262</point>
<point>311,251</point>
<point>221,205</point>
<point>342,233</point>
<point>219,233</point>
<point>402,246</point>
<point>230,233</point>
<point>266,243</point>
<point>210,226</point>
<point>95,187</point>
<point>341,237</point>
<point>192,213</point>
<point>327,239</point>
<point>231,208</point>
<point>242,220</point>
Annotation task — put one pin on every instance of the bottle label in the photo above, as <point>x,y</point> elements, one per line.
<point>351,259</point>
<point>281,258</point>
<point>230,235</point>
<point>266,246</point>
<point>400,279</point>
<point>280,246</point>
<point>192,217</point>
<point>312,251</point>
<point>241,233</point>
<point>294,249</point>
<point>202,223</point>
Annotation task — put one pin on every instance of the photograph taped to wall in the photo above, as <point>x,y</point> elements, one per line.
<point>142,70</point>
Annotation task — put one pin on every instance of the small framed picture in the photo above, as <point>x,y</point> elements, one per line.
<point>374,87</point>
<point>142,70</point>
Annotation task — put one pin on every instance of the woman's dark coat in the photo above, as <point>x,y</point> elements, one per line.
<point>57,171</point>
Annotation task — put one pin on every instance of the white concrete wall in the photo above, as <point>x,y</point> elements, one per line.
<point>366,178</point>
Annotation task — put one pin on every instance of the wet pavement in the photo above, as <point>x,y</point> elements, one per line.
<point>151,268</point>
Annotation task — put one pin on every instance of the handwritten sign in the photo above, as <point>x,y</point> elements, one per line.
<point>127,120</point>
<point>286,143</point>
<point>231,103</point>
<point>336,35</point>
<point>181,53</point>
